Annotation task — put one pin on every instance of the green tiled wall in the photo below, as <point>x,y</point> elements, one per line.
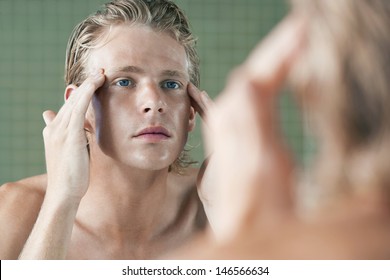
<point>33,36</point>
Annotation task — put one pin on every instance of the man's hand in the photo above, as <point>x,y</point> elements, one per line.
<point>252,167</point>
<point>67,158</point>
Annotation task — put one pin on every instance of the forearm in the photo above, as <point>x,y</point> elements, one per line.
<point>208,195</point>
<point>51,234</point>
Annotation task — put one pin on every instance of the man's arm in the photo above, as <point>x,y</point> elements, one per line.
<point>50,237</point>
<point>67,162</point>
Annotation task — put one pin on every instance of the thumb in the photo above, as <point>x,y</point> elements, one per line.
<point>48,116</point>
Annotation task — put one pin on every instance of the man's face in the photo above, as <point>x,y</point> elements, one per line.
<point>142,114</point>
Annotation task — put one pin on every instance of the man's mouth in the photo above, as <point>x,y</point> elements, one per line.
<point>153,133</point>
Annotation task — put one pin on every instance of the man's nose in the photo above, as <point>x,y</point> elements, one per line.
<point>152,100</point>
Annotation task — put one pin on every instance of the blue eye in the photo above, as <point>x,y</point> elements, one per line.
<point>171,85</point>
<point>123,83</point>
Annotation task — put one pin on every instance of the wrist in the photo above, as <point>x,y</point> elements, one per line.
<point>62,200</point>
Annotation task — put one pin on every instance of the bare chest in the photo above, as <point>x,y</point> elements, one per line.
<point>94,244</point>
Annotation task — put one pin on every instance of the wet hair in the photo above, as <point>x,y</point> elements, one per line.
<point>344,83</point>
<point>161,15</point>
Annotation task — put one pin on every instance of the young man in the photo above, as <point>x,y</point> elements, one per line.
<point>117,186</point>
<point>336,54</point>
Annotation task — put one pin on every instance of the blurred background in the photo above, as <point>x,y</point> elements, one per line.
<point>33,37</point>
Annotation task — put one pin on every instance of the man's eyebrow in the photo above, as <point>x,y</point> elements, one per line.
<point>175,73</point>
<point>129,68</point>
<point>168,73</point>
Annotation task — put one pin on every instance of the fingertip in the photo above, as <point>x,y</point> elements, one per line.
<point>189,87</point>
<point>96,78</point>
<point>48,116</point>
<point>99,74</point>
<point>193,90</point>
<point>193,87</point>
<point>44,113</point>
<point>96,74</point>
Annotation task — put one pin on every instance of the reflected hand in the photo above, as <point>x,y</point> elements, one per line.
<point>254,169</point>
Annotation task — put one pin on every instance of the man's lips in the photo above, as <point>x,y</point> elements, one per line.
<point>154,131</point>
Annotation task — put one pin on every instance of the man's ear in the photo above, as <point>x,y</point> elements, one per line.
<point>69,91</point>
<point>192,119</point>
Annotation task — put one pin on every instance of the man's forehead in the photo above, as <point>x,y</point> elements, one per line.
<point>140,46</point>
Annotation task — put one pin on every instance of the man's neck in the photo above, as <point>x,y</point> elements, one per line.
<point>124,201</point>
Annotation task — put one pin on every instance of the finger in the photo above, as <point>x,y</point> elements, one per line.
<point>83,96</point>
<point>196,101</point>
<point>48,117</point>
<point>272,59</point>
<point>64,112</point>
<point>199,100</point>
<point>85,92</point>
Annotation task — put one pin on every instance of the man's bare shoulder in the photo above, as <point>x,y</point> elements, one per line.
<point>22,191</point>
<point>37,182</point>
<point>20,203</point>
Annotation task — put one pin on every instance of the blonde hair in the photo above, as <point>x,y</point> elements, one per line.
<point>347,74</point>
<point>161,15</point>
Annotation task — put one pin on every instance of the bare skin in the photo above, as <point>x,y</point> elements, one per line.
<point>265,216</point>
<point>97,238</point>
<point>130,206</point>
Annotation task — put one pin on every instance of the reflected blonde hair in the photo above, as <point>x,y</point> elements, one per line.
<point>344,84</point>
